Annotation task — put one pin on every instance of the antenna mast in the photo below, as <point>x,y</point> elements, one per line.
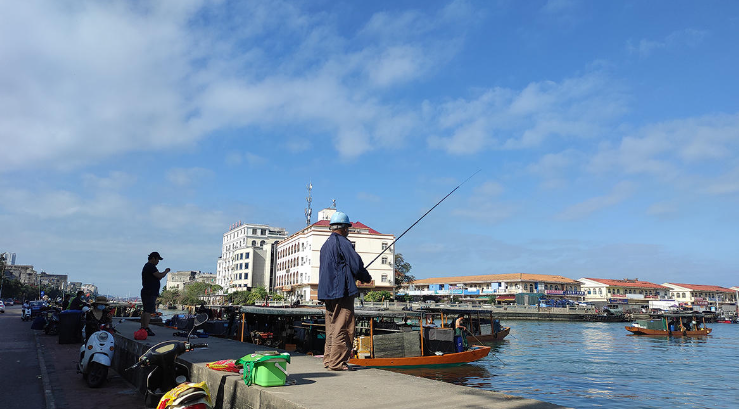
<point>308,210</point>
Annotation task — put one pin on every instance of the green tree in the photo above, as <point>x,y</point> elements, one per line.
<point>193,291</point>
<point>374,296</point>
<point>170,297</point>
<point>402,272</point>
<point>257,295</point>
<point>238,297</point>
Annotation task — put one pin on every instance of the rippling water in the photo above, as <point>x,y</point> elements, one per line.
<point>586,365</point>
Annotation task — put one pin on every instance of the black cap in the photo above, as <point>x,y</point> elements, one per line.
<point>155,254</point>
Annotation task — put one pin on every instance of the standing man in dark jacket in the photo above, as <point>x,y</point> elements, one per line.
<point>340,267</point>
<point>150,278</point>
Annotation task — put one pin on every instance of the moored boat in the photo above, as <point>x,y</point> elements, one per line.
<point>675,327</point>
<point>474,353</point>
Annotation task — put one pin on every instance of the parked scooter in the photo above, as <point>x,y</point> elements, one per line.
<point>52,321</point>
<point>96,354</point>
<point>167,373</point>
<point>25,312</point>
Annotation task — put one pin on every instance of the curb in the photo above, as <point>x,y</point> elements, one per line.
<point>48,395</point>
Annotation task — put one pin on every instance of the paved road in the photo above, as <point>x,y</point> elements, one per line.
<point>22,385</point>
<point>23,379</point>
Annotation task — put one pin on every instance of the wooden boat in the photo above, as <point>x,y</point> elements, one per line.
<point>483,328</point>
<point>661,327</point>
<point>453,359</point>
<point>498,336</point>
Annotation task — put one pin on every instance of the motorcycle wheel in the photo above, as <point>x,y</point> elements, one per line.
<point>96,375</point>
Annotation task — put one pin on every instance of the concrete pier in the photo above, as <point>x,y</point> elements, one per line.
<point>310,385</point>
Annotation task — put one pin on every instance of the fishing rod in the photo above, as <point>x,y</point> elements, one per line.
<point>419,219</point>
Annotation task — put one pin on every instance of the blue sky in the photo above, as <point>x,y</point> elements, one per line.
<point>607,133</point>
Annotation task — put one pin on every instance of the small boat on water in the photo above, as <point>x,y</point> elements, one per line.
<point>385,343</point>
<point>678,325</point>
<point>474,353</point>
<point>483,327</point>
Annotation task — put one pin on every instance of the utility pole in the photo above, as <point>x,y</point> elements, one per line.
<point>2,274</point>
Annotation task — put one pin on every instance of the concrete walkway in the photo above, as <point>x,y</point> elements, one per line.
<point>310,385</point>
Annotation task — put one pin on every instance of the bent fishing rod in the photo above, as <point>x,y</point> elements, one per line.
<point>419,219</point>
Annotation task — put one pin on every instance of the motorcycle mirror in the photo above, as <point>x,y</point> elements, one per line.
<point>200,319</point>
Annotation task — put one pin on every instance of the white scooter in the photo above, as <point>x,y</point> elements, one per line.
<point>96,355</point>
<point>25,312</point>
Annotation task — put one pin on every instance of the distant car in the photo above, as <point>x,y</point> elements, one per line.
<point>9,302</point>
<point>2,307</point>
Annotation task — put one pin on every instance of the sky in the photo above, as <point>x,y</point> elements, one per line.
<point>606,134</point>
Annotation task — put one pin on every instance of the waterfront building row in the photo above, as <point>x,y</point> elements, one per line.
<point>624,292</point>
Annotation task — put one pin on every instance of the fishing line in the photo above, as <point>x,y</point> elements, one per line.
<point>480,342</point>
<point>419,219</point>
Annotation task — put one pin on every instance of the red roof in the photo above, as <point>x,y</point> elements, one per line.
<point>356,225</point>
<point>699,287</point>
<point>628,283</point>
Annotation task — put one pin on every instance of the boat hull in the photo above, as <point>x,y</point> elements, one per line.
<point>646,331</point>
<point>498,336</point>
<point>458,358</point>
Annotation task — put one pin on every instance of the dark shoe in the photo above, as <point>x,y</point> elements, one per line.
<point>149,332</point>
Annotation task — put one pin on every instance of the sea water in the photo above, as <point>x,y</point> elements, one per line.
<point>587,365</point>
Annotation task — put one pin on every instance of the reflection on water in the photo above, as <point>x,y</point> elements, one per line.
<point>584,365</point>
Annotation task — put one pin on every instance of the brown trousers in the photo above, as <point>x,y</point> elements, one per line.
<point>340,325</point>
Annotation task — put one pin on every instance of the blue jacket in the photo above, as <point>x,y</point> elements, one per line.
<point>340,267</point>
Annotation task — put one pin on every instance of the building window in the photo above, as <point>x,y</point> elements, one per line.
<point>246,266</point>
<point>384,260</point>
<point>253,242</point>
<point>246,256</point>
<point>354,245</point>
<point>384,278</point>
<point>384,245</point>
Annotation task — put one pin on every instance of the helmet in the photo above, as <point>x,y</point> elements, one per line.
<point>340,218</point>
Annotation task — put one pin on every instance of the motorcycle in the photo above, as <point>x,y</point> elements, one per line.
<point>168,373</point>
<point>96,356</point>
<point>52,321</point>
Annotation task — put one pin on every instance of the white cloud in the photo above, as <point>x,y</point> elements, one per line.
<point>81,84</point>
<point>179,218</point>
<point>671,149</point>
<point>580,107</point>
<point>662,209</point>
<point>484,205</point>
<point>682,38</point>
<point>116,180</point>
<point>186,177</point>
<point>618,194</point>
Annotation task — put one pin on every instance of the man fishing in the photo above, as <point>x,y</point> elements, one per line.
<point>340,267</point>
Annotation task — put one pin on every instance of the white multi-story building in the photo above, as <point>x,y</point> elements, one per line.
<point>298,258</point>
<point>246,256</point>
<point>178,280</point>
<point>699,295</point>
<point>632,293</point>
